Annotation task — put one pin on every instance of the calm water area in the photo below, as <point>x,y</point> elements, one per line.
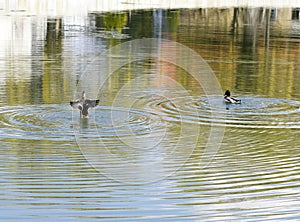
<point>161,144</point>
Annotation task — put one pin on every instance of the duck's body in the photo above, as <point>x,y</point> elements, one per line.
<point>228,99</point>
<point>84,105</point>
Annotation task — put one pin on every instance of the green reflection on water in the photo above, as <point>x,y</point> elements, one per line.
<point>253,52</point>
<point>245,48</point>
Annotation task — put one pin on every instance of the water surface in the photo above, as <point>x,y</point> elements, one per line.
<point>143,153</point>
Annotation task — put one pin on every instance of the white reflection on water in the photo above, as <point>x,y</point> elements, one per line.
<point>83,7</point>
<point>44,176</point>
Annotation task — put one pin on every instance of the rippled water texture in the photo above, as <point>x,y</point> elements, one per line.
<point>160,145</point>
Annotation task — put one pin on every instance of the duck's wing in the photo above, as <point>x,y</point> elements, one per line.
<point>228,99</point>
<point>76,104</point>
<point>92,103</point>
<point>236,100</point>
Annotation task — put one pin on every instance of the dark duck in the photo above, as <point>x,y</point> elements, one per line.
<point>229,99</point>
<point>84,105</point>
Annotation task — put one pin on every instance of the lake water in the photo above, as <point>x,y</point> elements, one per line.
<point>161,144</point>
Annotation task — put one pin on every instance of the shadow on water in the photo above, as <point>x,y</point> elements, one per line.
<point>84,123</point>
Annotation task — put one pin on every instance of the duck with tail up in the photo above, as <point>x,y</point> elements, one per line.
<point>228,99</point>
<point>84,105</point>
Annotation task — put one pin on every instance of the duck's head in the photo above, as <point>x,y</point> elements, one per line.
<point>83,95</point>
<point>227,93</point>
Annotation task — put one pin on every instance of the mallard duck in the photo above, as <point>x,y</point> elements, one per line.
<point>84,105</point>
<point>228,99</point>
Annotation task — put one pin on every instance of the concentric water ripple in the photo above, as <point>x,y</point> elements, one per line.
<point>124,122</point>
<point>254,112</point>
<point>43,122</point>
<point>57,122</point>
<point>124,143</point>
<point>255,170</point>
